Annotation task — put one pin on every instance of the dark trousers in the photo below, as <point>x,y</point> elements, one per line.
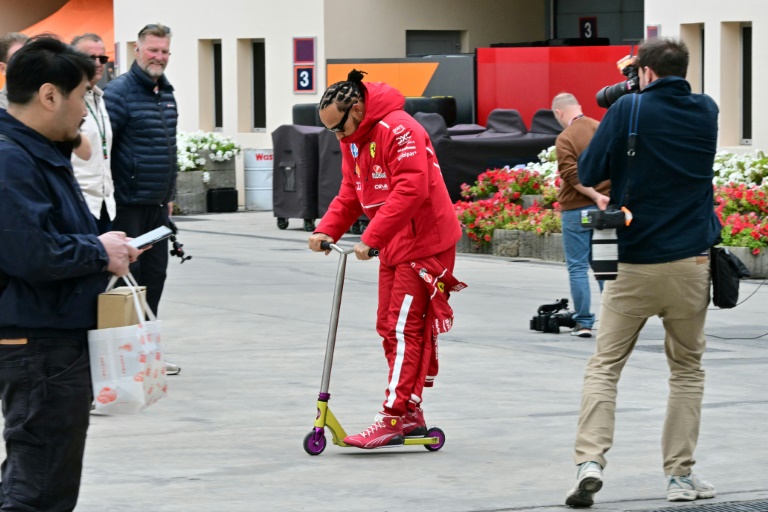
<point>150,269</point>
<point>103,222</point>
<point>45,387</point>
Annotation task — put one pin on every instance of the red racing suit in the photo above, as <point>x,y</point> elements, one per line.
<point>390,173</point>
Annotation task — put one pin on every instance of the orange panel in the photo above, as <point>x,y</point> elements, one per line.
<point>78,17</point>
<point>410,78</point>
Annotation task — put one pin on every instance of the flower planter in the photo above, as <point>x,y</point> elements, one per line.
<point>506,242</point>
<point>528,200</point>
<point>548,247</point>
<point>468,246</point>
<point>518,244</point>
<point>191,191</point>
<point>757,264</point>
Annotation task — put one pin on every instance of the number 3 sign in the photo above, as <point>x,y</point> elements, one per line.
<point>588,27</point>
<point>304,79</point>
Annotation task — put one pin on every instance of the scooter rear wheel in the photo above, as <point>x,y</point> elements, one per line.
<point>440,435</point>
<point>314,445</point>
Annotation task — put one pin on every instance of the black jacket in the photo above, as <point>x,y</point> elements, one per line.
<point>144,138</point>
<point>49,247</point>
<point>668,185</point>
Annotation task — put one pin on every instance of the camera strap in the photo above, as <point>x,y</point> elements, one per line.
<point>634,120</point>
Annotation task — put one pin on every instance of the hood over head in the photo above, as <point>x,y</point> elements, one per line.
<point>380,100</point>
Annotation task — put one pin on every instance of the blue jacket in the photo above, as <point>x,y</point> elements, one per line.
<point>143,121</point>
<point>49,247</point>
<point>668,188</point>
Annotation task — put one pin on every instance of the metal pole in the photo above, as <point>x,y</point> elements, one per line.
<point>336,306</point>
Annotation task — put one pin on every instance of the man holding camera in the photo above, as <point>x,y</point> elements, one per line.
<point>574,198</point>
<point>661,171</point>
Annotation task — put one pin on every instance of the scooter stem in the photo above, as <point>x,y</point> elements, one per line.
<point>336,306</point>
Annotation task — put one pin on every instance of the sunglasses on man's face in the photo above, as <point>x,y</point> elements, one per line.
<point>340,127</point>
<point>153,26</point>
<point>103,59</point>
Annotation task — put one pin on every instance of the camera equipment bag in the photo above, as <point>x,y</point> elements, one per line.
<point>726,270</point>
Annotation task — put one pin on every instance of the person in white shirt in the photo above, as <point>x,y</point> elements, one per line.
<point>94,174</point>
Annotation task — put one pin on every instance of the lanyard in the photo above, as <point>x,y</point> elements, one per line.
<point>102,127</point>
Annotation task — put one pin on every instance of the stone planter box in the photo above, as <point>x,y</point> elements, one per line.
<point>528,200</point>
<point>468,246</point>
<point>518,244</point>
<point>191,191</point>
<point>758,265</point>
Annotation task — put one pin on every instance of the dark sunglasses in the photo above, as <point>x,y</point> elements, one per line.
<point>153,26</point>
<point>340,127</point>
<point>103,59</point>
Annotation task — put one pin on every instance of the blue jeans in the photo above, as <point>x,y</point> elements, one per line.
<point>577,249</point>
<point>45,386</point>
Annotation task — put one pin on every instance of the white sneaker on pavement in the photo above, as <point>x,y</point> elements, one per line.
<point>589,480</point>
<point>688,488</point>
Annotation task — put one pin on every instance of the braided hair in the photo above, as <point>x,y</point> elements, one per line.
<point>344,93</point>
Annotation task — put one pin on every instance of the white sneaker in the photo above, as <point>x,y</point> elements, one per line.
<point>581,332</point>
<point>688,488</point>
<point>172,369</point>
<point>589,480</point>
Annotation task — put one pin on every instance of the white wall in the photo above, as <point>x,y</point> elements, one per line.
<point>721,57</point>
<point>277,23</point>
<point>376,28</point>
<point>228,20</point>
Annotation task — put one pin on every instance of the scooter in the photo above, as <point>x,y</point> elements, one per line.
<point>315,442</point>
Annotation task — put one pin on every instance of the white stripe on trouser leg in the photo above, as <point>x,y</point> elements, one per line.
<point>400,355</point>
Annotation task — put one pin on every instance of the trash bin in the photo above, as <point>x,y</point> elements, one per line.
<point>258,165</point>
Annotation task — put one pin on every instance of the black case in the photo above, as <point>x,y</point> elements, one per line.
<point>221,200</point>
<point>294,179</point>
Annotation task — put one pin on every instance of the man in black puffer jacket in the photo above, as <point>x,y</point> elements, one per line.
<point>143,114</point>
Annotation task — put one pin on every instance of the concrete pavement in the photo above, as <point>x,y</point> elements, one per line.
<point>247,320</point>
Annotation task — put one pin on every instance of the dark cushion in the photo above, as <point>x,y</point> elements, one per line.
<point>506,121</point>
<point>544,121</point>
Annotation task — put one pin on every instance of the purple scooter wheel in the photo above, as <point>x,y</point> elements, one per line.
<point>314,442</point>
<point>439,434</point>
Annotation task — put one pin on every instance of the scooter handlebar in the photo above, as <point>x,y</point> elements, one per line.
<point>333,247</point>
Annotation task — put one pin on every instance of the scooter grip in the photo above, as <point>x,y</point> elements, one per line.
<point>373,253</point>
<point>326,246</point>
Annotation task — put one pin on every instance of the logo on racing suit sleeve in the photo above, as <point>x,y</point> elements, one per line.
<point>378,173</point>
<point>402,140</point>
<point>373,150</point>
<point>353,148</point>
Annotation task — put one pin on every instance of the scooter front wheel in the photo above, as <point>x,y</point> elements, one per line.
<point>314,443</point>
<point>439,434</point>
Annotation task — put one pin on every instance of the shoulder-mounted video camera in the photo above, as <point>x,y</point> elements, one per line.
<point>610,94</point>
<point>550,317</point>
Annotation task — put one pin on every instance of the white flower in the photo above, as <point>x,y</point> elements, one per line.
<point>192,146</point>
<point>206,177</point>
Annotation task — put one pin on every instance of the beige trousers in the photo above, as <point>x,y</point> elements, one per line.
<point>678,292</point>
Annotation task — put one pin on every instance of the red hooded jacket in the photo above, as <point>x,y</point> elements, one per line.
<point>390,173</point>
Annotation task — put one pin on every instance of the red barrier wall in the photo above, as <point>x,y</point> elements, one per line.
<point>527,79</point>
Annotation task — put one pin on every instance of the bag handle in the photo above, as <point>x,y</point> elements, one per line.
<point>139,302</point>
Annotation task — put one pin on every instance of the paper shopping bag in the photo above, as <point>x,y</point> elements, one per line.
<point>127,370</point>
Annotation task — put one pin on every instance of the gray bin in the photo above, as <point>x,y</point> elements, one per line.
<point>258,178</point>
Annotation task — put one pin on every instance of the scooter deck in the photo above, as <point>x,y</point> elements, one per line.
<point>326,419</point>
